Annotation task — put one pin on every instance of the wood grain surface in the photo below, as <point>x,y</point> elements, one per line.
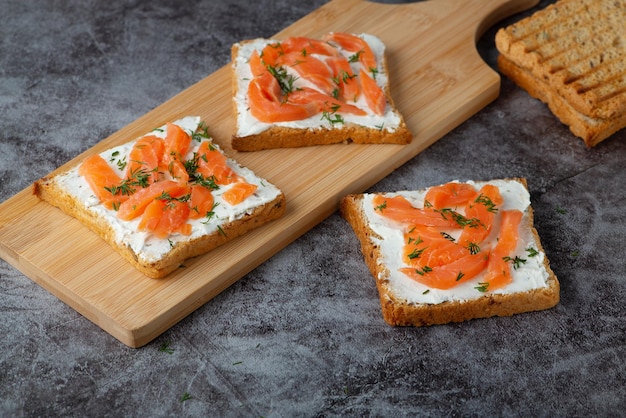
<point>438,80</point>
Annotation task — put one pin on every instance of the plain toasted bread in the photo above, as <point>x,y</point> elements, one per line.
<point>572,56</point>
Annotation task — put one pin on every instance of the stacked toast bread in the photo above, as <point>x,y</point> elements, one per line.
<point>572,56</point>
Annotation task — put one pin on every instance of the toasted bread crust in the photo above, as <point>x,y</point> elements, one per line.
<point>592,131</point>
<point>284,137</point>
<point>399,312</point>
<point>47,189</point>
<point>571,55</point>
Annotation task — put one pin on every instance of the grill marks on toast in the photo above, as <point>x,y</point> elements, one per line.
<point>578,48</point>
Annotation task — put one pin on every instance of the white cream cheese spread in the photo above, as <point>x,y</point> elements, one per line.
<point>248,125</point>
<point>146,246</point>
<point>529,275</point>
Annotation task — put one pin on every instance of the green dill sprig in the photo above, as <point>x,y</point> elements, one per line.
<point>487,202</point>
<point>482,286</point>
<point>517,261</point>
<point>201,133</point>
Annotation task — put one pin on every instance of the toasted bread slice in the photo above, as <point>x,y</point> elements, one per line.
<point>572,52</point>
<point>421,298</point>
<point>331,113</point>
<point>143,243</point>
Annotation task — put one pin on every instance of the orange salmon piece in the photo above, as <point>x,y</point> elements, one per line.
<point>323,102</point>
<point>163,218</point>
<point>483,208</point>
<point>374,95</point>
<point>426,246</point>
<point>212,163</point>
<point>238,192</point>
<point>201,202</point>
<point>449,275</point>
<point>103,180</point>
<point>399,209</point>
<point>354,44</point>
<point>271,53</point>
<point>344,77</point>
<point>450,195</point>
<point>145,158</point>
<point>256,65</point>
<point>307,46</point>
<point>311,69</point>
<point>267,106</point>
<point>499,268</point>
<point>177,143</point>
<point>135,205</point>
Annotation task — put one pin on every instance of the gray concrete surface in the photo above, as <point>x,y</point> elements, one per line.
<point>302,334</point>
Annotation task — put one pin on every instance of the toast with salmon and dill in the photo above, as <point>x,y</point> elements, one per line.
<point>165,197</point>
<point>302,91</point>
<point>572,56</point>
<point>453,252</point>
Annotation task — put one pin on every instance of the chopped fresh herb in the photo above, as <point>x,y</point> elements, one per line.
<point>171,243</point>
<point>210,214</point>
<point>415,241</point>
<point>374,72</point>
<point>355,57</point>
<point>427,204</point>
<point>487,202</point>
<point>425,291</point>
<point>186,396</point>
<point>381,206</point>
<point>285,80</point>
<point>416,253</point>
<point>460,276</point>
<point>482,286</point>
<point>424,270</point>
<point>237,362</point>
<point>201,133</point>
<point>380,127</point>
<point>517,261</point>
<point>332,117</point>
<point>531,251</point>
<point>447,236</point>
<point>458,218</point>
<point>219,228</point>
<point>165,348</point>
<point>473,248</point>
<point>575,253</point>
<point>138,178</point>
<point>561,211</point>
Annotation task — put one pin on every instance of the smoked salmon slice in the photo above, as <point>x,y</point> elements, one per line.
<point>343,75</point>
<point>135,205</point>
<point>201,201</point>
<point>401,210</point>
<point>145,158</point>
<point>238,192</point>
<point>310,68</point>
<point>449,275</point>
<point>374,95</point>
<point>177,144</point>
<point>499,269</point>
<point>356,45</point>
<point>213,164</point>
<point>450,195</point>
<point>163,218</point>
<point>103,181</point>
<point>483,208</point>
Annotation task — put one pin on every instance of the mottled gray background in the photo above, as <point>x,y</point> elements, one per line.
<point>301,335</point>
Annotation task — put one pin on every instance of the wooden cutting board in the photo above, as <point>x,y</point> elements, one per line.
<point>438,81</point>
